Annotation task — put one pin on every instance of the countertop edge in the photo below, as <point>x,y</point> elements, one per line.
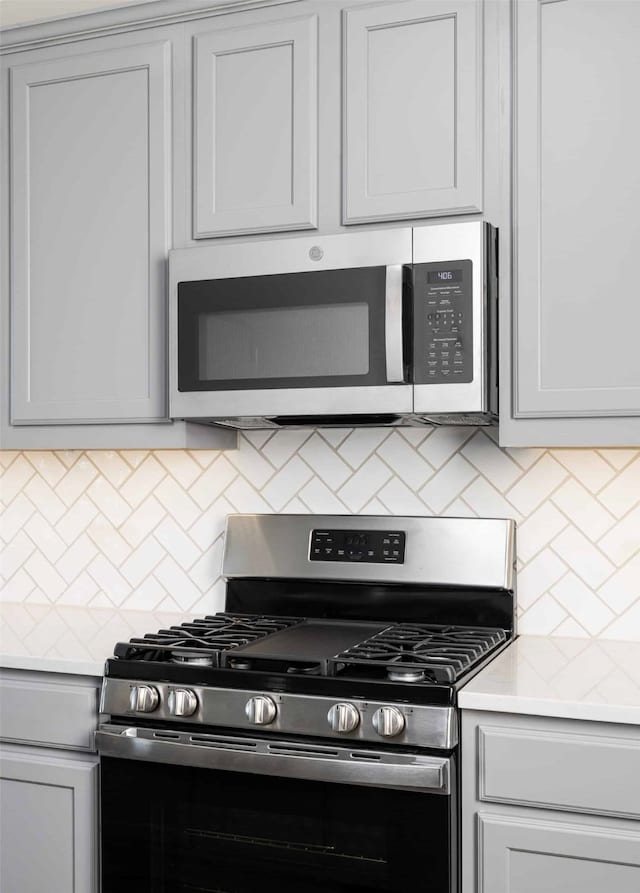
<point>44,664</point>
<point>523,705</point>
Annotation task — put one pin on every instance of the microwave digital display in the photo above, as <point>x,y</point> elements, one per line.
<point>442,277</point>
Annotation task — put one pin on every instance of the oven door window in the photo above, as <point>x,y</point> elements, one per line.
<point>321,329</point>
<point>172,829</point>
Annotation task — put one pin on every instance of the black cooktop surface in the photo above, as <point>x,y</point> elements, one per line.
<point>227,643</point>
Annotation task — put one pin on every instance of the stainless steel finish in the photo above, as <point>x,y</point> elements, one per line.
<point>393,324</point>
<point>388,722</point>
<point>260,710</point>
<point>283,758</point>
<point>143,698</point>
<point>426,725</point>
<point>255,545</point>
<point>388,247</point>
<point>182,702</point>
<point>458,241</point>
<point>225,405</point>
<point>343,718</point>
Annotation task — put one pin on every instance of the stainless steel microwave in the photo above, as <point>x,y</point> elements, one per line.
<point>389,327</point>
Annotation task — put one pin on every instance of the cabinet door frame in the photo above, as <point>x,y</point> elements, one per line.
<point>301,34</point>
<point>80,776</point>
<point>155,58</point>
<point>531,399</point>
<point>466,195</point>
<point>600,840</point>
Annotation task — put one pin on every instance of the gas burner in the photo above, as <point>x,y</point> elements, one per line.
<point>210,636</point>
<point>191,659</point>
<point>311,670</point>
<point>415,652</point>
<point>396,674</point>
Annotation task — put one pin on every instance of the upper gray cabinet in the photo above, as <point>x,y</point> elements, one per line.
<point>412,110</point>
<point>255,128</point>
<point>87,149</point>
<point>90,198</point>
<point>577,229</point>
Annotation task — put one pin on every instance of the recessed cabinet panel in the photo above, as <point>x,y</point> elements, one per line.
<point>522,854</point>
<point>577,228</point>
<point>48,822</point>
<point>541,767</point>
<point>255,129</point>
<point>412,109</point>
<point>90,181</point>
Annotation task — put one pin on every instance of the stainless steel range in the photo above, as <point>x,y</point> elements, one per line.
<point>306,739</point>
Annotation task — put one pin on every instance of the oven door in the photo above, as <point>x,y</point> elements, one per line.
<point>202,813</point>
<point>267,330</point>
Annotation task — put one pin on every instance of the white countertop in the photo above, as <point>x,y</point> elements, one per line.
<point>592,679</point>
<point>69,639</point>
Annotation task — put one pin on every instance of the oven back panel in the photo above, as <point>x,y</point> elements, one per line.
<point>370,601</point>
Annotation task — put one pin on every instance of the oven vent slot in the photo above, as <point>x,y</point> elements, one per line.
<point>171,736</point>
<point>355,755</point>
<point>305,751</point>
<point>226,744</point>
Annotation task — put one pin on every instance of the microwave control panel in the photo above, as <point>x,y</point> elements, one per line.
<point>443,322</point>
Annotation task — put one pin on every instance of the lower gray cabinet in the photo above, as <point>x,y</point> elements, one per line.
<point>48,821</point>
<point>519,854</point>
<point>549,805</point>
<point>48,783</point>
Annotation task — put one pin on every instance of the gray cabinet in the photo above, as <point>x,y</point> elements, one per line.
<point>576,376</point>
<point>255,127</point>
<point>48,821</point>
<point>525,855</point>
<point>90,193</point>
<point>549,804</point>
<point>48,783</point>
<point>89,137</point>
<point>412,109</point>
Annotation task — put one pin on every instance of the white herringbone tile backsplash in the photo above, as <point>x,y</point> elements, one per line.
<point>143,529</point>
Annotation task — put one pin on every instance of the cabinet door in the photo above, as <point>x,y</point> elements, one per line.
<point>577,228</point>
<point>90,232</point>
<point>255,128</point>
<point>521,855</point>
<point>413,110</point>
<point>48,822</point>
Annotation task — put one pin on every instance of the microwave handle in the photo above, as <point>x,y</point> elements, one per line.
<point>393,328</point>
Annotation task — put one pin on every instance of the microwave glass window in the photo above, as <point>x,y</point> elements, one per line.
<point>284,342</point>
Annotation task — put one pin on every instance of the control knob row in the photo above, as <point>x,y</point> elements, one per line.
<point>145,699</point>
<point>261,710</point>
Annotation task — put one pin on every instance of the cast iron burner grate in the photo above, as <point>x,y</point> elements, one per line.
<point>414,652</point>
<point>200,642</point>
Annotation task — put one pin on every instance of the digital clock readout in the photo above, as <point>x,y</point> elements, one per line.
<point>356,539</point>
<point>442,277</point>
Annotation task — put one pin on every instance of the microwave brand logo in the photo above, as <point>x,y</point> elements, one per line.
<point>316,252</point>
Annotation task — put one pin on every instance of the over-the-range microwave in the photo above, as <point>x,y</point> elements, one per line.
<point>389,327</point>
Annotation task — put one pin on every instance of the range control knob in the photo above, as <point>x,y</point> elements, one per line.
<point>143,698</point>
<point>260,710</point>
<point>182,702</point>
<point>388,722</point>
<point>343,718</point>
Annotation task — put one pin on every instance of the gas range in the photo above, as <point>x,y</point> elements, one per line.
<point>307,737</point>
<point>393,626</point>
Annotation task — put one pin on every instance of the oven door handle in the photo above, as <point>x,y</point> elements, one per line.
<point>345,765</point>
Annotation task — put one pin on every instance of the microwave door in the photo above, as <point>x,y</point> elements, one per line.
<point>328,342</point>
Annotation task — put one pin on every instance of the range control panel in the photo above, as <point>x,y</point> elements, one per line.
<point>443,322</point>
<point>369,546</point>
